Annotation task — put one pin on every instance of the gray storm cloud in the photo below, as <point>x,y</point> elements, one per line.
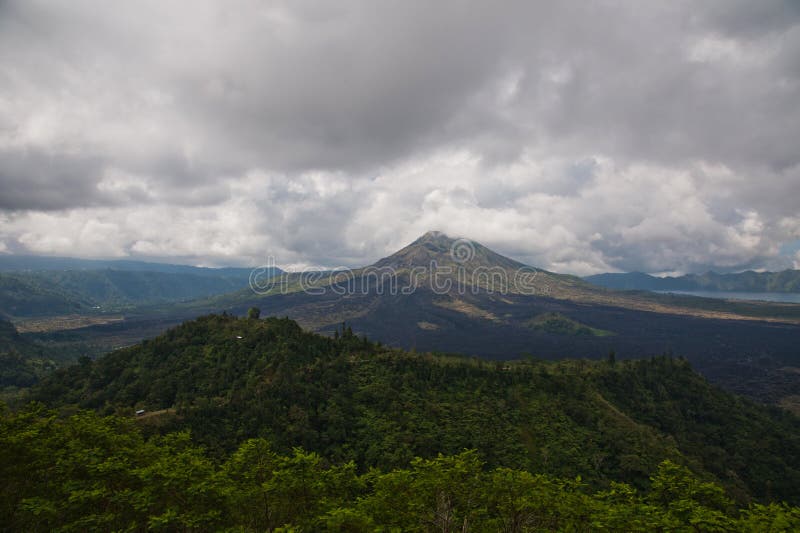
<point>578,137</point>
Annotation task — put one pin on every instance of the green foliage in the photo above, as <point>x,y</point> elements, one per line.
<point>21,362</point>
<point>722,431</point>
<point>562,325</point>
<point>438,494</point>
<point>686,499</point>
<point>32,295</point>
<point>254,313</point>
<point>347,400</point>
<point>17,370</point>
<point>87,472</point>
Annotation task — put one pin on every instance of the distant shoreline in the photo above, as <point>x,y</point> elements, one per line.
<point>785,297</point>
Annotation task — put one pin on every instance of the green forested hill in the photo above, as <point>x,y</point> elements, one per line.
<point>22,363</point>
<point>86,473</point>
<point>48,293</point>
<point>26,295</point>
<point>229,379</point>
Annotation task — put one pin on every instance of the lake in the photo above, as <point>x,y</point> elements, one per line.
<point>790,297</point>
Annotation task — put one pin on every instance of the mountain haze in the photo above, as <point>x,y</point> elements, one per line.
<point>784,281</point>
<point>40,263</point>
<point>64,291</point>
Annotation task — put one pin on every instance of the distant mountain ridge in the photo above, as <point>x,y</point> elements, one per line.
<point>451,269</point>
<point>749,281</point>
<point>39,263</point>
<point>492,306</point>
<point>33,286</point>
<point>551,315</point>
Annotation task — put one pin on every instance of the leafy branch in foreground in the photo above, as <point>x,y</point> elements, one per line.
<point>87,472</point>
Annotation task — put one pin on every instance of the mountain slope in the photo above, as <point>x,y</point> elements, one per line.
<point>22,363</point>
<point>784,281</point>
<point>477,302</point>
<point>59,292</point>
<point>451,268</point>
<point>635,281</point>
<point>24,296</point>
<point>455,295</point>
<point>228,379</point>
<point>37,263</point>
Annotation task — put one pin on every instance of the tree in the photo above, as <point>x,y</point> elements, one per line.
<point>254,313</point>
<point>247,470</point>
<point>687,499</point>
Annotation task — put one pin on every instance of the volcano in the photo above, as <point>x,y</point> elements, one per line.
<point>454,295</point>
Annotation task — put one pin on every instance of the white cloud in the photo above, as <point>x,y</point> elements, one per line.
<point>577,137</point>
<point>635,217</point>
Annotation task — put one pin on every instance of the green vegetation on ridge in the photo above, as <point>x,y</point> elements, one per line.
<point>563,325</point>
<point>87,473</point>
<point>21,363</point>
<point>347,399</point>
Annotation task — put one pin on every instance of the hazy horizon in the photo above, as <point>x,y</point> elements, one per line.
<point>271,261</point>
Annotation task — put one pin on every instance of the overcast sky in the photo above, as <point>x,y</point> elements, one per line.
<point>579,137</point>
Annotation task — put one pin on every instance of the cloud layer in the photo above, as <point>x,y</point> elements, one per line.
<point>580,138</point>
